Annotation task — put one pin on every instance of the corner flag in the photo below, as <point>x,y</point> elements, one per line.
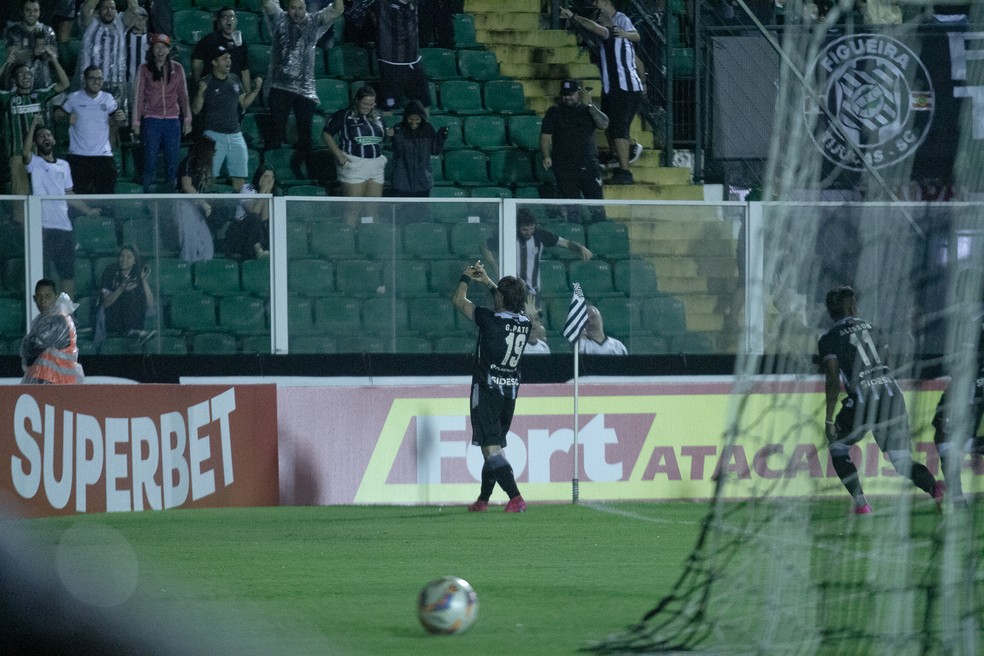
<point>577,315</point>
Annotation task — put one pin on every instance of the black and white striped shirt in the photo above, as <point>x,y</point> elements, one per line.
<point>358,135</point>
<point>618,69</point>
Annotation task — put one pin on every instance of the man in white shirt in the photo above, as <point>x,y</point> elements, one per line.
<point>594,341</point>
<point>90,111</point>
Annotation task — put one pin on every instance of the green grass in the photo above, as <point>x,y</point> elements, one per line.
<point>344,580</point>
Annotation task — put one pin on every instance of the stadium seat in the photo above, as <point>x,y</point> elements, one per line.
<point>437,171</point>
<point>187,22</point>
<point>413,344</point>
<point>85,313</point>
<point>13,274</point>
<point>480,65</point>
<point>454,344</point>
<point>385,315</point>
<point>432,316</point>
<point>570,232</point>
<point>314,277</point>
<point>249,24</point>
<point>243,314</point>
<point>116,345</point>
<point>485,132</point>
<point>444,275</point>
<point>358,278</point>
<point>12,321</point>
<point>95,234</point>
<point>297,239</point>
<point>193,311</point>
<point>439,64</point>
<point>466,167</point>
<point>408,278</point>
<point>260,55</point>
<point>462,97</point>
<point>84,281</point>
<point>125,187</point>
<point>505,97</point>
<point>491,192</point>
<point>362,343</point>
<point>664,315</point>
<point>333,94</point>
<point>691,343</point>
<point>621,316</point>
<point>453,124</point>
<point>527,190</point>
<point>140,233</point>
<point>349,62</point>
<point>173,276</point>
<point>595,277</point>
<point>464,31</point>
<point>213,344</point>
<point>378,240</point>
<point>609,239</point>
<point>253,126</point>
<point>508,167</point>
<point>524,131</point>
<point>636,278</point>
<point>553,279</point>
<point>257,344</point>
<point>425,240</point>
<point>313,344</point>
<point>279,159</point>
<point>337,315</point>
<point>306,190</point>
<point>467,239</point>
<point>333,240</point>
<point>546,176</point>
<point>167,345</point>
<point>218,277</point>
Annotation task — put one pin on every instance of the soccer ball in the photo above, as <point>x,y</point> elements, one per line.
<point>447,606</point>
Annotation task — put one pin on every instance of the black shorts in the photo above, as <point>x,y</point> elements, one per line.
<point>885,417</point>
<point>402,81</point>
<point>621,107</point>
<point>58,248</point>
<point>491,415</point>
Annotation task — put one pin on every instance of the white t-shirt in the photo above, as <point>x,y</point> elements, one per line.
<point>535,349</point>
<point>610,346</point>
<point>51,179</point>
<point>89,136</point>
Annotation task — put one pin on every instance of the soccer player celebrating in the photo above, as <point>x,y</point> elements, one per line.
<point>874,400</point>
<point>502,335</point>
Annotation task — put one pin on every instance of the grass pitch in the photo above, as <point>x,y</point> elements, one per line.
<point>344,580</point>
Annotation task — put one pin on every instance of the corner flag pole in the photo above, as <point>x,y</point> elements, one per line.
<point>574,490</point>
<point>577,316</point>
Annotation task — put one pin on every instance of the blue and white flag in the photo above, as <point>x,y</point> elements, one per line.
<point>577,315</point>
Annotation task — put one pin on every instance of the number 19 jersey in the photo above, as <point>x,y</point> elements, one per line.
<point>501,341</point>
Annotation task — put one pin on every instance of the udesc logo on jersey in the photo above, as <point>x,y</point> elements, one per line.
<point>874,102</point>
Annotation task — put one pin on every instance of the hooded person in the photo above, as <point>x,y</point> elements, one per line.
<point>415,141</point>
<point>49,352</point>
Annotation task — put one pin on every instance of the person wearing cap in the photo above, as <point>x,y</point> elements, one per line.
<point>568,147</point>
<point>103,42</point>
<point>224,28</point>
<point>295,34</point>
<point>220,98</point>
<point>161,110</point>
<point>27,42</point>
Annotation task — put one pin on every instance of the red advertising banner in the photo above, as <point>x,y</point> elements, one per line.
<point>660,441</point>
<point>68,449</point>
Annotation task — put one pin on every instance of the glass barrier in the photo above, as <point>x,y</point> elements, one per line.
<point>13,295</point>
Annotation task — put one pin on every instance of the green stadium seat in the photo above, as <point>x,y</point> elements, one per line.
<point>444,275</point>
<point>570,232</point>
<point>85,313</point>
<point>609,239</point>
<point>140,233</point>
<point>256,276</point>
<point>378,240</point>
<point>13,275</point>
<point>664,315</point>
<point>213,344</point>
<point>621,315</point>
<point>362,343</point>
<point>467,239</point>
<point>524,131</point>
<point>462,97</point>
<point>546,176</point>
<point>491,192</point>
<point>300,315</point>
<point>306,190</point>
<point>691,343</point>
<point>454,344</point>
<point>337,315</point>
<point>505,97</point>
<point>408,278</point>
<point>253,126</point>
<point>333,94</point>
<point>349,62</point>
<point>595,277</point>
<point>453,124</point>
<point>358,278</point>
<point>508,167</point>
<point>437,171</point>
<point>187,22</point>
<point>297,239</point>
<point>193,311</point>
<point>279,159</point>
<point>313,344</point>
<point>636,278</point>
<point>218,277</point>
<point>467,167</point>
<point>84,282</point>
<point>553,279</point>
<point>260,55</point>
<point>95,234</point>
<point>333,240</point>
<point>243,314</point>
<point>314,277</point>
<point>439,64</point>
<point>464,31</point>
<point>125,187</point>
<point>166,345</point>
<point>413,344</point>
<point>425,240</point>
<point>485,132</point>
<point>171,275</point>
<point>249,24</point>
<point>480,65</point>
<point>385,315</point>
<point>116,345</point>
<point>432,316</point>
<point>257,344</point>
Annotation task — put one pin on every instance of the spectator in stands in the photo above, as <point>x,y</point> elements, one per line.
<point>359,149</point>
<point>51,176</point>
<point>536,343</point>
<point>27,43</point>
<point>161,16</point>
<point>531,241</point>
<point>594,341</point>
<point>125,296</point>
<point>401,73</point>
<point>248,236</point>
<point>220,99</point>
<point>17,109</point>
<point>161,111</point>
<point>104,40</point>
<point>225,28</point>
<point>195,177</point>
<point>295,35</point>
<point>436,22</point>
<point>90,111</point>
<point>568,147</point>
<point>136,45</point>
<point>49,354</point>
<point>415,141</point>
<point>622,87</point>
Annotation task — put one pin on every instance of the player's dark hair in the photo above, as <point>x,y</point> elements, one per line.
<point>45,282</point>
<point>524,217</point>
<point>513,291</point>
<point>838,300</point>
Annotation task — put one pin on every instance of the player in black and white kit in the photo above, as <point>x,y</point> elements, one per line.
<point>849,357</point>
<point>952,448</point>
<point>502,335</point>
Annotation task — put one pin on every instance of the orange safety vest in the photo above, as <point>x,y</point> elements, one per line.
<point>59,366</point>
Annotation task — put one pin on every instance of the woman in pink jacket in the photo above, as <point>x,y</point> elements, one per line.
<point>161,111</point>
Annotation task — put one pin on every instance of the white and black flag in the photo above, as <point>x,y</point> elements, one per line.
<point>577,315</point>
